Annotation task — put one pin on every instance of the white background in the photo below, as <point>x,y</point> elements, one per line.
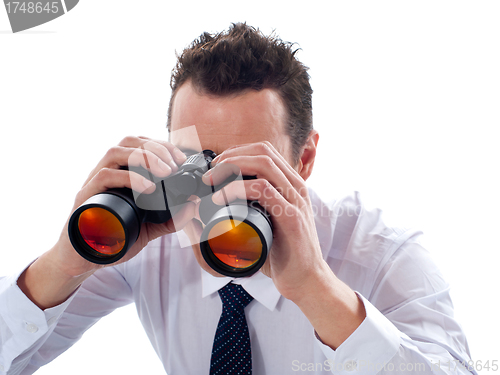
<point>406,102</point>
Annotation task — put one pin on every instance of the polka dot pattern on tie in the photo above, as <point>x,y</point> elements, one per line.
<point>231,350</point>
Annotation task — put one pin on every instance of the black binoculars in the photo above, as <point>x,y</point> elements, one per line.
<point>235,240</point>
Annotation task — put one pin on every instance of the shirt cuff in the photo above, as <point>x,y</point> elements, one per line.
<point>22,323</point>
<point>368,349</point>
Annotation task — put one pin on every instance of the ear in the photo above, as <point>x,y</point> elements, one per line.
<point>308,156</point>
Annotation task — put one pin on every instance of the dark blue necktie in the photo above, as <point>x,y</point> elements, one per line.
<point>231,351</point>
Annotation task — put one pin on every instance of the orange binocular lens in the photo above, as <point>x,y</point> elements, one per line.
<point>235,243</point>
<point>102,231</point>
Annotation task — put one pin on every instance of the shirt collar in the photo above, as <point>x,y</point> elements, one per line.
<point>259,286</point>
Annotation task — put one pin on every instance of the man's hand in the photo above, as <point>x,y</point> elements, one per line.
<point>295,262</point>
<point>295,254</point>
<point>58,272</point>
<point>160,158</point>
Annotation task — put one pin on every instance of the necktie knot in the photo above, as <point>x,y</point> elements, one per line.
<point>234,298</point>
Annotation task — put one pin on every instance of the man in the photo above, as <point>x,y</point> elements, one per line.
<point>339,291</point>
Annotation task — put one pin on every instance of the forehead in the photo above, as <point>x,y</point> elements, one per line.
<point>224,121</point>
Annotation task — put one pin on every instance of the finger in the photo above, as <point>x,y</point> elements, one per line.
<point>263,167</point>
<point>109,178</point>
<point>261,191</point>
<point>266,148</point>
<point>181,218</point>
<point>220,173</point>
<point>173,152</point>
<point>118,156</point>
<point>178,155</point>
<point>254,190</point>
<point>166,151</point>
<point>150,161</point>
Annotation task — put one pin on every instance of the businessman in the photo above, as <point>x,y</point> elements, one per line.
<point>340,291</point>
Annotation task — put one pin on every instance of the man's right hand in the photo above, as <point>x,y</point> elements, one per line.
<point>52,278</point>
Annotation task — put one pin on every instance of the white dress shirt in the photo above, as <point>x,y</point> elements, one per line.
<point>409,325</point>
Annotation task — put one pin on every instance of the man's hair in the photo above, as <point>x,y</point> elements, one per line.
<point>243,58</point>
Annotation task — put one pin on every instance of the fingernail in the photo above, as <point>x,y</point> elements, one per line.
<point>207,178</point>
<point>179,155</point>
<point>164,167</point>
<point>207,174</point>
<point>217,197</point>
<point>173,165</point>
<point>215,161</point>
<point>147,183</point>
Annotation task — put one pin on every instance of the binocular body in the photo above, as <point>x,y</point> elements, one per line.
<point>235,241</point>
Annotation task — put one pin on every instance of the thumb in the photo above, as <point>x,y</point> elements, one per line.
<point>181,218</point>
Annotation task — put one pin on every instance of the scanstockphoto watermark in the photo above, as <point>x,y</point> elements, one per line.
<point>318,211</point>
<point>449,365</point>
<point>25,15</point>
<point>329,365</point>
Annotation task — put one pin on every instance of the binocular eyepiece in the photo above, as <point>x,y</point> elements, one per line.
<point>235,240</point>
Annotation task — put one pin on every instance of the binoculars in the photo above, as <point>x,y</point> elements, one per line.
<point>235,241</point>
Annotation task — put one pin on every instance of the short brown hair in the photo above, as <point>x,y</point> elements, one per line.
<point>243,58</point>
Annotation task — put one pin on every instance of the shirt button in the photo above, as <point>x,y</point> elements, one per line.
<point>350,365</point>
<point>2,368</point>
<point>31,328</point>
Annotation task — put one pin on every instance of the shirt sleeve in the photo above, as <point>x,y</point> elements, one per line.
<point>409,325</point>
<point>31,337</point>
